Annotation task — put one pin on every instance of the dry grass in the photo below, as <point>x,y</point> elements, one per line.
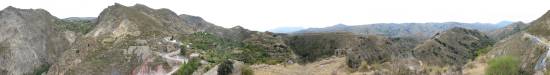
<point>330,66</point>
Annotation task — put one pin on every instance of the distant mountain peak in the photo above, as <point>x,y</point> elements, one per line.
<point>340,25</point>
<point>238,27</point>
<point>118,4</point>
<point>10,8</point>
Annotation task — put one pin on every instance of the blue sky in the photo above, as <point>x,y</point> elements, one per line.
<point>267,14</point>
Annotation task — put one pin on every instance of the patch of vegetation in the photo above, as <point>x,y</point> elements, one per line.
<point>483,51</point>
<point>43,69</point>
<point>252,54</point>
<point>188,68</point>
<point>353,61</point>
<point>313,46</point>
<point>503,65</point>
<point>246,70</point>
<point>216,49</point>
<point>205,41</point>
<point>225,68</point>
<point>79,26</point>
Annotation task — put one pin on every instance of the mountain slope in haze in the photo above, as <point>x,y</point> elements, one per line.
<point>30,43</point>
<point>419,30</point>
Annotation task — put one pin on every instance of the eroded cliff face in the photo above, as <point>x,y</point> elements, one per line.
<point>30,43</point>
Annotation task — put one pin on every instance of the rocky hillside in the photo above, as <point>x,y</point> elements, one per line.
<point>540,26</point>
<point>529,47</point>
<point>452,47</point>
<point>30,43</point>
<point>126,40</point>
<point>511,29</point>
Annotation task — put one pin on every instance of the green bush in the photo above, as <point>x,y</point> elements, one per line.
<point>483,51</point>
<point>80,26</point>
<point>188,68</point>
<point>225,68</point>
<point>252,54</point>
<point>43,69</point>
<point>246,70</point>
<point>353,61</point>
<point>504,65</point>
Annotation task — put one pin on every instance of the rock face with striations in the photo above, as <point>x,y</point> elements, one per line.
<point>30,43</point>
<point>452,47</point>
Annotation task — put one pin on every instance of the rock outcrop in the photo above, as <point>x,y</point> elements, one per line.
<point>30,43</point>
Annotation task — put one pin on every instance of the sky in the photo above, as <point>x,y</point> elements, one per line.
<point>263,15</point>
